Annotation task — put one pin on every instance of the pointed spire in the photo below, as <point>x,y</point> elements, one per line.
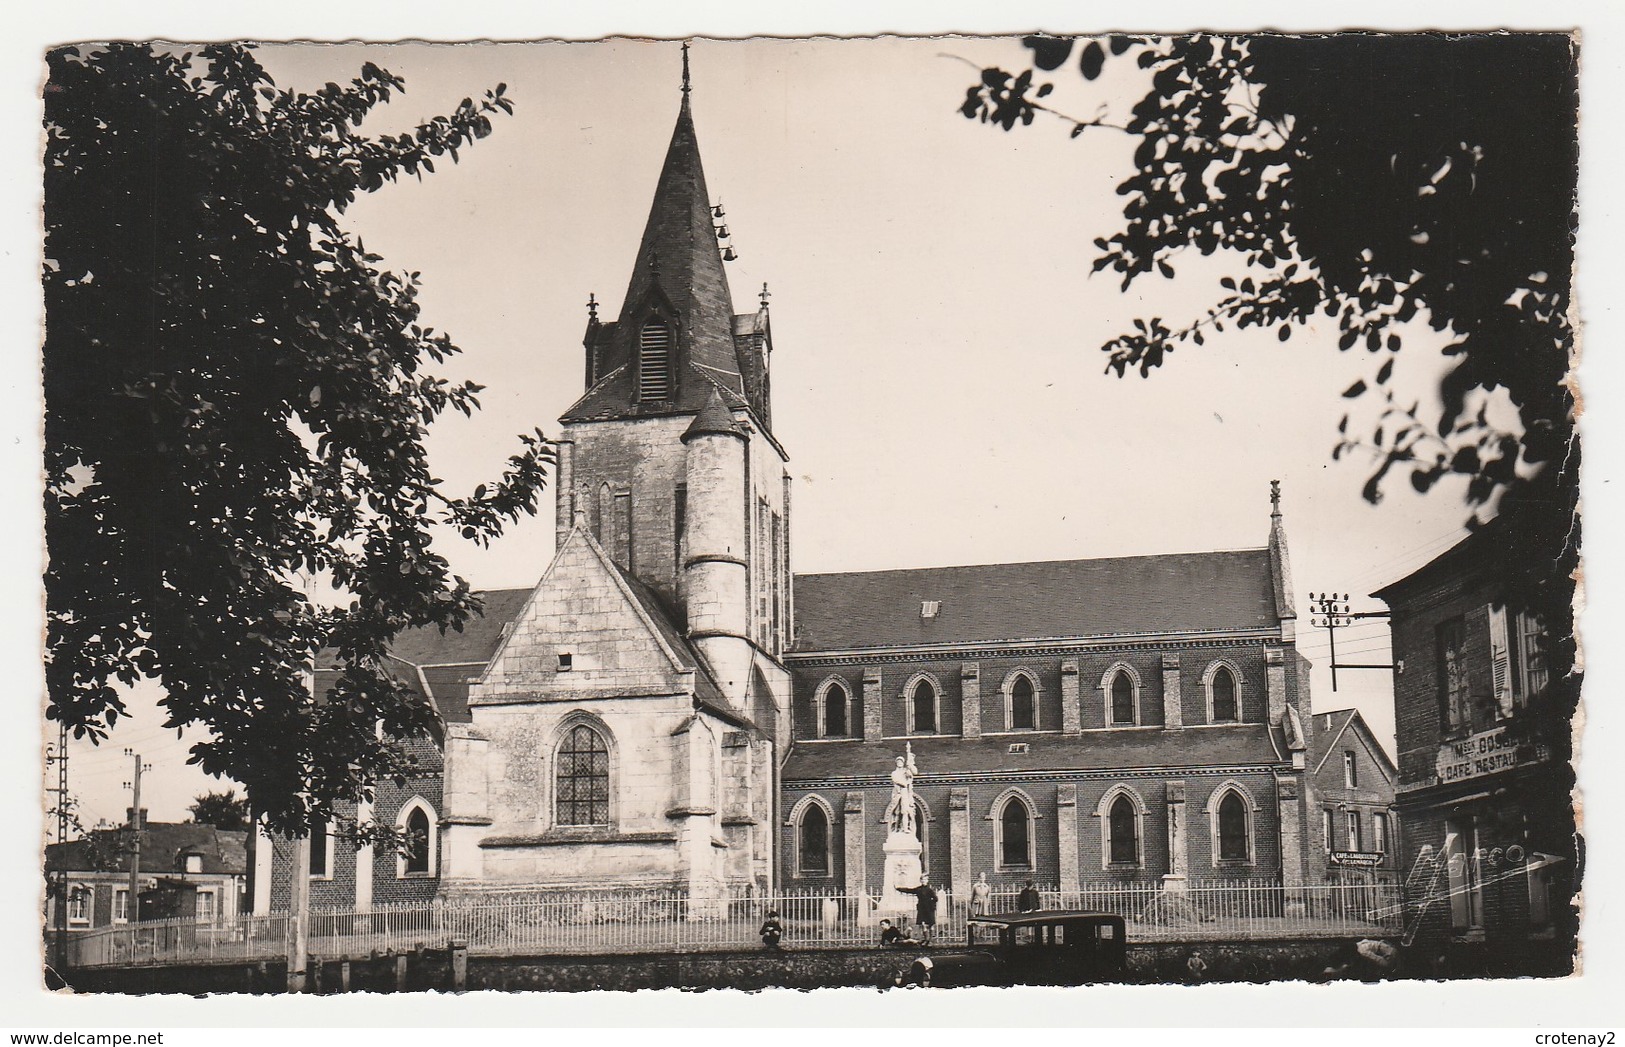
<point>685,72</point>
<point>714,419</point>
<point>1280,562</point>
<point>679,255</point>
<point>677,282</point>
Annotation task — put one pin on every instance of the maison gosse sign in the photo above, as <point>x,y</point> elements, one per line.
<point>1484,753</point>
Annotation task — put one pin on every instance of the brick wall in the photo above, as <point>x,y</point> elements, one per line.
<point>1092,867</point>
<point>993,672</point>
<point>389,799</point>
<point>1420,724</point>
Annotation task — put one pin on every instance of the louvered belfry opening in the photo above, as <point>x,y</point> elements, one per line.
<point>654,361</point>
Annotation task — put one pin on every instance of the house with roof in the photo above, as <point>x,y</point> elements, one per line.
<point>1352,781</point>
<point>185,870</point>
<point>669,705</point>
<point>1125,720</point>
<point>1490,849</point>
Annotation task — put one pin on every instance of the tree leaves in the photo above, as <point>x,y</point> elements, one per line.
<point>1092,60</point>
<point>220,419</point>
<point>1049,52</point>
<point>1380,180</point>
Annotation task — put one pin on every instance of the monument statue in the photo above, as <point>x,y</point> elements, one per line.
<point>903,872</point>
<point>900,811</point>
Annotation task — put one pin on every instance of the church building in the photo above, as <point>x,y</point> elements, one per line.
<point>625,728</point>
<point>669,706</point>
<point>1127,720</point>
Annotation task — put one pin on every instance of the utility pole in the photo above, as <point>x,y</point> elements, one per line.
<point>137,824</point>
<point>59,881</point>
<point>1333,613</point>
<point>299,900</point>
<point>299,903</point>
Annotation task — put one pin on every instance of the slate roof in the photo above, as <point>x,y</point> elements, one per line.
<point>679,273</point>
<point>162,844</point>
<point>1239,745</point>
<point>1325,740</point>
<point>714,418</point>
<point>1119,596</point>
<point>446,662</point>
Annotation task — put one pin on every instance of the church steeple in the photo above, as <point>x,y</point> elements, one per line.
<point>686,500</point>
<point>673,340</point>
<point>678,260</point>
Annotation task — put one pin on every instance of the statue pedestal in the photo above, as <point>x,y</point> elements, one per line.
<point>902,870</point>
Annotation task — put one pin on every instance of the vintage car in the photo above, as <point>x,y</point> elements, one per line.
<point>1055,947</point>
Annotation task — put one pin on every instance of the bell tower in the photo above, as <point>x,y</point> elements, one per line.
<point>668,455</point>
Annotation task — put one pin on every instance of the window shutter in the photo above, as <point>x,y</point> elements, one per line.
<point>654,362</point>
<point>1500,661</point>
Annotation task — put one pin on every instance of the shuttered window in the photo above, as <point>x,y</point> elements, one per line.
<point>654,361</point>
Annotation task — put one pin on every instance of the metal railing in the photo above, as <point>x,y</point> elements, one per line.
<point>613,921</point>
<point>245,938</point>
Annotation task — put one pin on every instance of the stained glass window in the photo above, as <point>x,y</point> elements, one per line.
<point>582,778</point>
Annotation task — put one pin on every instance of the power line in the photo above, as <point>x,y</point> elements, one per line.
<point>1419,554</point>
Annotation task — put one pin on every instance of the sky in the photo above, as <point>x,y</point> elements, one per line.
<point>938,382</point>
<point>937,376</point>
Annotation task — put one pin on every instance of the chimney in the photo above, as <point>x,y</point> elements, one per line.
<point>130,818</point>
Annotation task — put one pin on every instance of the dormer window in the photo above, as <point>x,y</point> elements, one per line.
<point>930,608</point>
<point>654,361</point>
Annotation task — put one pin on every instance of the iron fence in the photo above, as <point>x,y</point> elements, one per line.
<point>246,938</point>
<point>612,921</point>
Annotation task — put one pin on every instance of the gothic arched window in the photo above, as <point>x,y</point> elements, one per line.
<point>581,778</point>
<point>418,858</point>
<point>812,842</point>
<point>654,361</point>
<point>923,703</point>
<point>1122,699</point>
<point>1223,691</point>
<point>835,709</point>
<point>1125,832</point>
<point>1015,835</point>
<point>1023,706</point>
<point>1233,829</point>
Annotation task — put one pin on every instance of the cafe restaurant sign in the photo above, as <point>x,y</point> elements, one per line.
<point>1487,752</point>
